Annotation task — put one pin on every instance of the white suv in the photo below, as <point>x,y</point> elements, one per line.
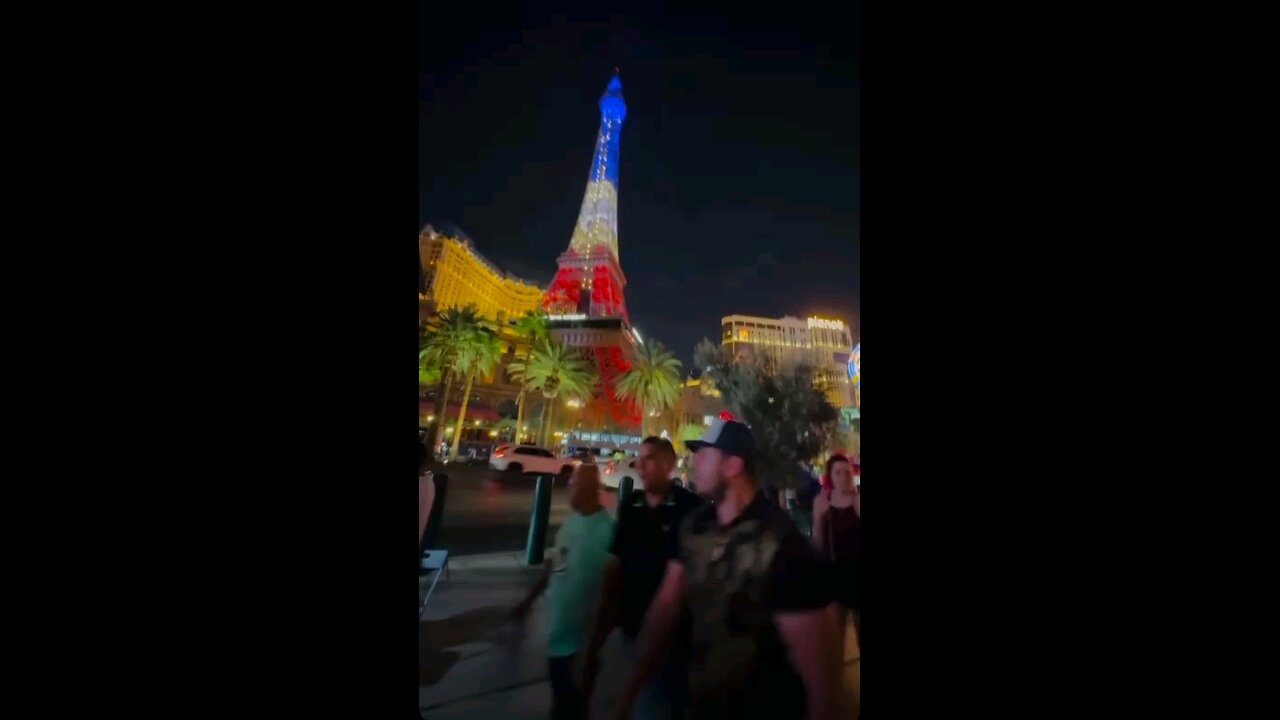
<point>529,458</point>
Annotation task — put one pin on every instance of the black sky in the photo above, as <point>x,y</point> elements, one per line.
<point>739,177</point>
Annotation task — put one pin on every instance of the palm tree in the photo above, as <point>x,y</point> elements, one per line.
<point>517,373</point>
<point>652,382</point>
<point>554,370</point>
<point>479,356</point>
<point>429,370</point>
<point>532,326</point>
<point>450,333</point>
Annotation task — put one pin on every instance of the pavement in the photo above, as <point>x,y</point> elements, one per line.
<point>473,664</point>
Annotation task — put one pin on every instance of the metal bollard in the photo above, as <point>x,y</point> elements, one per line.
<point>430,537</point>
<point>624,490</point>
<point>536,545</point>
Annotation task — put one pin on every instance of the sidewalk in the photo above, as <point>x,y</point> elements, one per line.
<point>473,664</point>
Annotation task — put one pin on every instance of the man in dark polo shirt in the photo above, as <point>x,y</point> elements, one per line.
<point>755,593</point>
<point>643,539</point>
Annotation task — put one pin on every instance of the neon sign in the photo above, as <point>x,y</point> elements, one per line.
<point>825,324</point>
<point>855,366</point>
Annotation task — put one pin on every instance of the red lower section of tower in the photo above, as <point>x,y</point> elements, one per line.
<point>592,286</point>
<point>610,363</point>
<point>565,294</point>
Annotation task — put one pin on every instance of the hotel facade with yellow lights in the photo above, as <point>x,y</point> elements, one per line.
<point>822,343</point>
<point>455,274</point>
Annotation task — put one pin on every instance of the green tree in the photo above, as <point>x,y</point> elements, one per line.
<point>479,357</point>
<point>429,371</point>
<point>532,326</point>
<point>652,382</point>
<point>449,334</point>
<point>556,370</point>
<point>790,419</point>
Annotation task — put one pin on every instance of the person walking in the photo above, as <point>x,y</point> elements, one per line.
<point>837,523</point>
<point>572,580</point>
<point>754,593</point>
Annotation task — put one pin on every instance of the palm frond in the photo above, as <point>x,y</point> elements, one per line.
<point>457,339</point>
<point>554,369</point>
<point>654,379</point>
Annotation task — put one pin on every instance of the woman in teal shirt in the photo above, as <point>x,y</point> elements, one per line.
<point>572,580</point>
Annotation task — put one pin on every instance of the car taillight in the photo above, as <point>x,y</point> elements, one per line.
<point>609,467</point>
<point>500,453</point>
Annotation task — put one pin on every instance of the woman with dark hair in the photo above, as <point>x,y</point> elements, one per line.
<point>837,531</point>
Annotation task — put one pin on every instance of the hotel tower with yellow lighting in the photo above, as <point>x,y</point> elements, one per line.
<point>456,275</point>
<point>822,343</point>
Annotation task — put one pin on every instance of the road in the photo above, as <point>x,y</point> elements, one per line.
<point>487,512</point>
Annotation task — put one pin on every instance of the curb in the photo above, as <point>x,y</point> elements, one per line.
<point>507,560</point>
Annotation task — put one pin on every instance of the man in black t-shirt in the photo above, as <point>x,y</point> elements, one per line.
<point>644,529</point>
<point>762,639</point>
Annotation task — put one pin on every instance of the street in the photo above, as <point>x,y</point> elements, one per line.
<point>487,512</point>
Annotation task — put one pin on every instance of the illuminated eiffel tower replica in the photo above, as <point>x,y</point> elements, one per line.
<point>585,301</point>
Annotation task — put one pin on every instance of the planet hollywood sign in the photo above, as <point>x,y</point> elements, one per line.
<point>825,324</point>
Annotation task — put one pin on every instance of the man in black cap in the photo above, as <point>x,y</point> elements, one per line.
<point>762,638</point>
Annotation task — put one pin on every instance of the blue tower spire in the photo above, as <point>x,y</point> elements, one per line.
<point>613,110</point>
<point>598,221</point>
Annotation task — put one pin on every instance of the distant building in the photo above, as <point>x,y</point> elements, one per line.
<point>698,404</point>
<point>821,343</point>
<point>455,274</point>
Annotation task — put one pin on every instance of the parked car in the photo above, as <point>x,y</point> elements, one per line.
<point>613,471</point>
<point>530,458</point>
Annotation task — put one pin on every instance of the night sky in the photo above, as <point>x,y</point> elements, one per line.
<point>739,177</point>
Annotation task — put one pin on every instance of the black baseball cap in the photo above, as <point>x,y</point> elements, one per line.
<point>728,436</point>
